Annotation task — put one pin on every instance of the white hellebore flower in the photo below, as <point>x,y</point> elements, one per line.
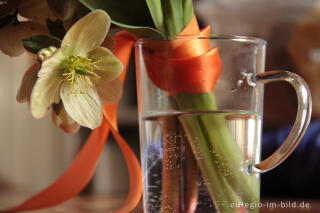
<point>81,74</point>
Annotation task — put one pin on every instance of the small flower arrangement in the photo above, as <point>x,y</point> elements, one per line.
<point>77,77</point>
<point>73,76</point>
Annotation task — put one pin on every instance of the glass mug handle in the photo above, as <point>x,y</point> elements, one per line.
<point>300,125</point>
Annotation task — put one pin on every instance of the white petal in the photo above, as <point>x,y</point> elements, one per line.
<point>45,92</point>
<point>27,83</point>
<point>109,67</point>
<point>110,91</point>
<point>87,34</point>
<point>82,104</point>
<point>52,63</point>
<point>64,121</point>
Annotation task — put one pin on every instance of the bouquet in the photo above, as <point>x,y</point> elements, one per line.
<point>78,73</point>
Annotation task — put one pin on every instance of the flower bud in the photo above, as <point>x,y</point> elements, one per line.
<point>46,53</point>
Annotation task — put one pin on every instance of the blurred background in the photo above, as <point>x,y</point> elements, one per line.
<point>33,153</point>
<point>292,31</point>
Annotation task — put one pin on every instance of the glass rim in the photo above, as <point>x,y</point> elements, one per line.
<point>245,39</point>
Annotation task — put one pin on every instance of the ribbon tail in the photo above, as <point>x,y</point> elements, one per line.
<point>82,169</point>
<point>74,179</point>
<point>135,175</point>
<point>124,43</point>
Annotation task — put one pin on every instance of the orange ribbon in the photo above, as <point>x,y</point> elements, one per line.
<point>196,72</point>
<point>185,64</point>
<point>81,171</point>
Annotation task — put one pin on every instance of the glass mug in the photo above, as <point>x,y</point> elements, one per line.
<point>200,151</point>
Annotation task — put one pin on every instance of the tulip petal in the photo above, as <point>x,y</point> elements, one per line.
<point>62,120</point>
<point>87,34</point>
<point>11,36</point>
<point>82,103</point>
<point>110,91</point>
<point>109,42</point>
<point>109,67</point>
<point>35,9</point>
<point>46,90</point>
<point>27,83</point>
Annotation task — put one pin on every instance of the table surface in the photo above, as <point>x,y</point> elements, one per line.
<point>105,204</point>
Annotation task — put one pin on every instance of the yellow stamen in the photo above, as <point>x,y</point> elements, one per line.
<point>79,67</point>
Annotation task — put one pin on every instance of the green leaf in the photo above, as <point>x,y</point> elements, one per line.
<point>36,43</point>
<point>155,8</point>
<point>174,16</point>
<point>187,11</point>
<point>132,15</point>
<point>170,16</point>
<point>139,31</point>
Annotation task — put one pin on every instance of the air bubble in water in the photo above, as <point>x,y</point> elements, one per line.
<point>239,83</point>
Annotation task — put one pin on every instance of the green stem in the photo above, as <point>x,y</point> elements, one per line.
<point>215,184</point>
<point>221,160</point>
<point>218,147</point>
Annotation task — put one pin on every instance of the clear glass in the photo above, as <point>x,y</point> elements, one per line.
<point>292,26</point>
<point>200,150</point>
